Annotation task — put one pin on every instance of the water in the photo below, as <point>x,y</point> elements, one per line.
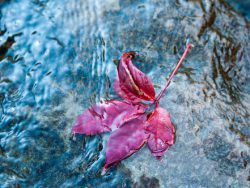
<point>241,6</point>
<point>56,59</point>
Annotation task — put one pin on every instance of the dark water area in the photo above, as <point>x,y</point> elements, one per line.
<point>241,7</point>
<point>56,59</point>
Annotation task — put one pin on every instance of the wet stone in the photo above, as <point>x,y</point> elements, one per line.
<point>147,182</point>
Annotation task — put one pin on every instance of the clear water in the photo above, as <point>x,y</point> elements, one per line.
<point>56,59</point>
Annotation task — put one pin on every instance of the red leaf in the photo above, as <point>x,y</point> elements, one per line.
<point>161,132</point>
<point>106,116</point>
<point>125,141</point>
<point>135,81</point>
<point>124,93</point>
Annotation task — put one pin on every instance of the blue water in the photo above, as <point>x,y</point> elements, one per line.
<point>56,59</point>
<point>241,7</point>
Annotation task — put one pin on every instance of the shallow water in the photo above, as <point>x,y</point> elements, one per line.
<point>56,59</point>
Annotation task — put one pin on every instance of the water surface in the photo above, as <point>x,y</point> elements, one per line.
<point>56,59</point>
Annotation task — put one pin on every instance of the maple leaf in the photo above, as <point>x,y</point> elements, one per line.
<point>107,116</point>
<point>161,132</point>
<point>132,82</point>
<point>134,123</point>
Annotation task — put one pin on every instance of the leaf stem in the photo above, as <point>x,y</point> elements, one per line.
<point>174,71</point>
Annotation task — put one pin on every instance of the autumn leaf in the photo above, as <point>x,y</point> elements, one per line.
<point>161,132</point>
<point>124,93</point>
<point>106,116</point>
<point>132,81</point>
<point>125,141</point>
<point>134,123</point>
